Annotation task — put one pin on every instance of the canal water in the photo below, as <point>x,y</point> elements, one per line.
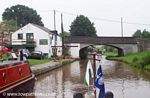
<point>122,80</point>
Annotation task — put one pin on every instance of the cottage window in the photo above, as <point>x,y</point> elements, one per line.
<point>20,36</point>
<point>43,42</point>
<point>29,36</point>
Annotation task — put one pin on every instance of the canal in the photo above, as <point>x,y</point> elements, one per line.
<point>122,80</point>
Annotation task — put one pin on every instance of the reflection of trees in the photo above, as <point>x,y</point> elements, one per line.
<point>120,71</point>
<point>72,73</point>
<point>123,71</point>
<point>122,79</point>
<point>62,82</point>
<point>143,73</point>
<point>73,76</point>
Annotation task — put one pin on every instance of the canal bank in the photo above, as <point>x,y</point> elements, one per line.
<point>43,68</point>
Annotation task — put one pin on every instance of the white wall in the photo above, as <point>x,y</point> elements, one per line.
<point>74,51</point>
<point>38,34</point>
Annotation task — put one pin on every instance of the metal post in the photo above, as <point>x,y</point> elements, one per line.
<point>94,63</point>
<point>54,20</point>
<point>55,44</point>
<point>62,31</point>
<point>94,67</point>
<point>121,26</point>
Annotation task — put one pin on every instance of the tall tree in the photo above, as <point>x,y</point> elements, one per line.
<point>146,34</point>
<point>138,34</point>
<point>143,34</point>
<point>22,15</point>
<point>82,26</point>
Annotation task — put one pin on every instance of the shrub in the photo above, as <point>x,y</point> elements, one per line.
<point>146,59</point>
<point>135,59</point>
<point>140,63</point>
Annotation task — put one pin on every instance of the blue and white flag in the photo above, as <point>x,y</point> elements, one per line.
<point>99,83</point>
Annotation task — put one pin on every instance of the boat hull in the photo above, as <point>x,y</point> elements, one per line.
<point>16,79</point>
<point>20,89</point>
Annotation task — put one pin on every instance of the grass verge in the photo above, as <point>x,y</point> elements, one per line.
<point>36,61</point>
<point>110,54</point>
<point>139,60</point>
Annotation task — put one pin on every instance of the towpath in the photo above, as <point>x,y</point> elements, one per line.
<point>42,68</point>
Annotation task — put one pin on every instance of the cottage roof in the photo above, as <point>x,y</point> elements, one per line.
<point>44,29</point>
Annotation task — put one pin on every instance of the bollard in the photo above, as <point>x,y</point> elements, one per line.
<point>109,95</point>
<point>78,95</point>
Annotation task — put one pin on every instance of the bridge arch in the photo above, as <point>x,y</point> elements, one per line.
<point>120,50</point>
<point>84,47</point>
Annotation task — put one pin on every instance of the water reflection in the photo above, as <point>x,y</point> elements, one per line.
<point>122,80</point>
<point>60,83</point>
<point>126,82</point>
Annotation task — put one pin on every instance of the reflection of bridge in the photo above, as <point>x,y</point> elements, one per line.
<point>125,45</point>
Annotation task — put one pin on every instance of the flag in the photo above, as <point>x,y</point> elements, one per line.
<point>99,83</point>
<point>88,74</point>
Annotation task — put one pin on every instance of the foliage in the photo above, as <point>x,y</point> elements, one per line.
<point>82,26</point>
<point>110,50</point>
<point>143,34</point>
<point>10,25</point>
<point>138,34</point>
<point>22,15</point>
<point>64,34</point>
<point>135,59</point>
<point>146,34</point>
<point>110,54</point>
<point>139,60</point>
<point>2,26</point>
<point>147,67</point>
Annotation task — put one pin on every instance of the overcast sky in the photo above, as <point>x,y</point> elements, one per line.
<point>105,14</point>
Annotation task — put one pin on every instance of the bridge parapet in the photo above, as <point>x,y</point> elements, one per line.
<point>100,40</point>
<point>125,45</point>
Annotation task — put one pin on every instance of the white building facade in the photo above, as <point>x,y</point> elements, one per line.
<point>37,38</point>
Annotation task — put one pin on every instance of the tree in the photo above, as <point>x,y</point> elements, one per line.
<point>64,34</point>
<point>10,25</point>
<point>2,25</point>
<point>146,34</point>
<point>82,26</point>
<point>143,34</point>
<point>138,34</point>
<point>22,15</point>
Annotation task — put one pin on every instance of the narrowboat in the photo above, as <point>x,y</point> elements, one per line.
<point>15,77</point>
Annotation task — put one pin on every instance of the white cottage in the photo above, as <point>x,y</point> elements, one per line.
<point>35,37</point>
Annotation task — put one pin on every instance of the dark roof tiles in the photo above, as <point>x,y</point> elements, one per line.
<point>44,29</point>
